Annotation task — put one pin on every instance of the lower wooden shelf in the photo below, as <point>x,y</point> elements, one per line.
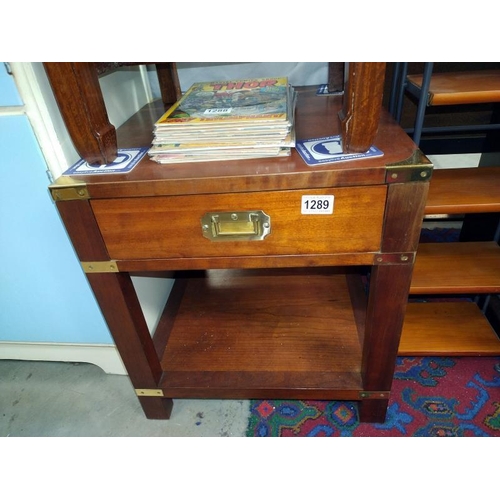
<point>463,191</point>
<point>454,268</point>
<point>447,329</point>
<point>256,334</point>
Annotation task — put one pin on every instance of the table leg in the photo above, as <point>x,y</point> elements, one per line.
<point>389,285</point>
<point>373,410</point>
<point>120,306</point>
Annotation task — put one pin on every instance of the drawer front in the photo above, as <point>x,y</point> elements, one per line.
<point>172,227</point>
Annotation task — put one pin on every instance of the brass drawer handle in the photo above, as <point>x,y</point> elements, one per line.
<point>234,226</point>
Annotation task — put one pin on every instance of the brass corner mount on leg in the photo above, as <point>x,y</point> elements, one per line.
<point>67,188</point>
<point>394,258</point>
<point>374,395</point>
<point>107,266</point>
<point>416,168</point>
<point>149,392</point>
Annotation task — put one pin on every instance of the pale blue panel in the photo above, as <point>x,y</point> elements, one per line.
<point>9,96</point>
<point>44,294</point>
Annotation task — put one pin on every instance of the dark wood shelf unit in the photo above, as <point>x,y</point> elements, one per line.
<point>464,268</point>
<point>455,110</point>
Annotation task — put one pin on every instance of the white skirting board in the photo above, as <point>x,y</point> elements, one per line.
<point>104,356</point>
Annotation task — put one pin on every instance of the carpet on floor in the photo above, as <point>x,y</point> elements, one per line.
<point>430,396</point>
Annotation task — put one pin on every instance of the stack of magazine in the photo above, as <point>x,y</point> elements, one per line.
<point>227,120</point>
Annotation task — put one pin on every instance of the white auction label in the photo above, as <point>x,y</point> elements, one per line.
<point>217,111</point>
<point>317,204</point>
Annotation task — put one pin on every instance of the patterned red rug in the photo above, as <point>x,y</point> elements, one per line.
<point>431,396</point>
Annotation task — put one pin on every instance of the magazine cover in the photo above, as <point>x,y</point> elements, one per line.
<point>261,99</point>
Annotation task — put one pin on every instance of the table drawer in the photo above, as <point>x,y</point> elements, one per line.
<point>176,226</point>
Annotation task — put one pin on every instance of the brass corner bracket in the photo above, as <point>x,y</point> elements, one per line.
<point>109,266</point>
<point>416,168</point>
<point>66,188</point>
<point>149,392</point>
<point>374,394</point>
<point>394,258</point>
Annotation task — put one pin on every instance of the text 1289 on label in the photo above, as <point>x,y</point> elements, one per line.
<point>317,204</point>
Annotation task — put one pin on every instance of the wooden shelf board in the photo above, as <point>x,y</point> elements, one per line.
<point>453,268</point>
<point>447,329</point>
<point>462,87</point>
<point>239,333</point>
<point>464,190</point>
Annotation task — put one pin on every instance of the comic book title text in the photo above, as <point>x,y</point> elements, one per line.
<point>244,85</point>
